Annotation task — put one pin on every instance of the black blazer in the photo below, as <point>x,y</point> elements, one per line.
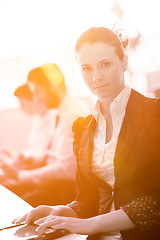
<point>136,169</point>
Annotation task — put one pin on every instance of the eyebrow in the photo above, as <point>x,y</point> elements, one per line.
<point>85,65</point>
<point>104,60</point>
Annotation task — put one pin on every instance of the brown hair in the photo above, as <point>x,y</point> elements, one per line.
<point>105,35</point>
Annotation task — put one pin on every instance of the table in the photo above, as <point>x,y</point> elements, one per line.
<point>12,207</point>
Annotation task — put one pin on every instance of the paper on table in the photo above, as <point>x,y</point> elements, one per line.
<point>11,206</point>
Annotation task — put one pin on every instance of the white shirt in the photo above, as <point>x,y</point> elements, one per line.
<point>62,142</point>
<point>59,138</point>
<point>103,153</point>
<point>41,132</point>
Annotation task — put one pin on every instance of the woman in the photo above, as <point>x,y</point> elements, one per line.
<point>117,150</point>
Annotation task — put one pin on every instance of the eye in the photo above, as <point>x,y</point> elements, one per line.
<point>105,64</point>
<point>86,69</point>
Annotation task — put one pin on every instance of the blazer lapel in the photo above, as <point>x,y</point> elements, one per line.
<point>86,144</point>
<point>129,129</point>
<point>86,151</point>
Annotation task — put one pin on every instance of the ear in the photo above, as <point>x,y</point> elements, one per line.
<point>125,63</point>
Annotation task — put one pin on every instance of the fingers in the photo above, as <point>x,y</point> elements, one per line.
<point>19,220</point>
<point>35,214</point>
<point>42,229</point>
<point>31,217</point>
<point>51,222</point>
<point>44,219</point>
<point>27,218</point>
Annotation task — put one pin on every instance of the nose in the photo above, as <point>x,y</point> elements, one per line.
<point>96,75</point>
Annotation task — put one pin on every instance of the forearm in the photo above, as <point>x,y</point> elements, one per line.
<point>55,171</point>
<point>143,213</point>
<point>113,221</point>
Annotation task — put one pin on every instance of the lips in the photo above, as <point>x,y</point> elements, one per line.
<point>105,85</point>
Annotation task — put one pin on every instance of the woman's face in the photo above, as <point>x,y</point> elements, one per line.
<point>102,69</point>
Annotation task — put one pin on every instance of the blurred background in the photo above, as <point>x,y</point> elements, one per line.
<point>34,32</point>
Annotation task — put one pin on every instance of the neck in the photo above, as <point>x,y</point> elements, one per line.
<point>105,106</point>
<point>106,102</point>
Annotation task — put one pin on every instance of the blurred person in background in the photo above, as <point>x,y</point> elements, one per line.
<point>9,160</point>
<point>46,170</point>
<point>117,151</point>
<point>41,130</point>
<point>25,97</point>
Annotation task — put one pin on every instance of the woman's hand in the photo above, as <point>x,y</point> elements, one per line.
<point>34,214</point>
<point>51,217</point>
<point>44,211</point>
<point>109,222</point>
<point>73,225</point>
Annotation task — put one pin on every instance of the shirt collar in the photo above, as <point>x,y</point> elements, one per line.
<point>120,101</point>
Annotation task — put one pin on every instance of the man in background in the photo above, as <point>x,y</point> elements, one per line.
<point>46,174</point>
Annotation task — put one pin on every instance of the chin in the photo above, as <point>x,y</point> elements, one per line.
<point>102,95</point>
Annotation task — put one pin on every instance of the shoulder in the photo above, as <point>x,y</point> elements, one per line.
<point>148,100</point>
<point>151,115</point>
<point>82,123</point>
<point>153,104</point>
<point>78,128</point>
<point>144,104</point>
